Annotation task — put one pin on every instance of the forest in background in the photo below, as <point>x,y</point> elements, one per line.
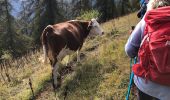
<point>20,33</point>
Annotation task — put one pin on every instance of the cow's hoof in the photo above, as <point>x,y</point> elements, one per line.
<point>58,86</point>
<point>78,63</point>
<point>59,82</point>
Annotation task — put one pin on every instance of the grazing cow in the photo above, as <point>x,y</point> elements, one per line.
<point>63,38</point>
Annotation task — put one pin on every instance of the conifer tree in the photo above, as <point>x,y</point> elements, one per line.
<point>47,12</point>
<point>107,8</point>
<point>124,7</point>
<point>11,43</point>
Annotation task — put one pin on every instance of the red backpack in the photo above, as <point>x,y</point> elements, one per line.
<point>154,52</point>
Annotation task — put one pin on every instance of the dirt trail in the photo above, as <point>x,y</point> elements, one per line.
<point>48,91</point>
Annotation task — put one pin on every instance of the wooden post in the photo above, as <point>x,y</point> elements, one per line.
<point>30,84</point>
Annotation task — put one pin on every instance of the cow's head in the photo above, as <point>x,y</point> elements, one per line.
<point>95,27</point>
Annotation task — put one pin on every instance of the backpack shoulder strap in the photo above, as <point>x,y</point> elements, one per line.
<point>145,34</point>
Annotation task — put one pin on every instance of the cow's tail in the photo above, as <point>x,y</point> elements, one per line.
<point>44,40</point>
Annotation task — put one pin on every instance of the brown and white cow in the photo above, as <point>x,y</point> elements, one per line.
<point>63,38</point>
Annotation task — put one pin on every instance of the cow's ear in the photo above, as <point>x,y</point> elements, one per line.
<point>98,19</point>
<point>90,25</point>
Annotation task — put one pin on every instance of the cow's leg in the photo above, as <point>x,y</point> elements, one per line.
<point>78,56</point>
<point>65,54</point>
<point>56,75</point>
<point>45,54</point>
<point>68,59</point>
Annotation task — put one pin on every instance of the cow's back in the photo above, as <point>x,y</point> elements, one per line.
<point>72,33</point>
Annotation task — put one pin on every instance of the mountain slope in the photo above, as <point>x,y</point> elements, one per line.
<point>103,72</point>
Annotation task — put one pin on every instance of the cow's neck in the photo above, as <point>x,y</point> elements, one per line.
<point>85,25</point>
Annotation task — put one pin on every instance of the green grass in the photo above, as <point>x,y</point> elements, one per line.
<point>102,74</point>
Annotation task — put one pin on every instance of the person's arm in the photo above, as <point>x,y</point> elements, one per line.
<point>133,43</point>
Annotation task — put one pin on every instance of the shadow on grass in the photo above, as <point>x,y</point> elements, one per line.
<point>84,83</point>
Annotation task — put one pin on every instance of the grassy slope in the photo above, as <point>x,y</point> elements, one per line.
<point>102,74</point>
<point>104,71</point>
<point>20,72</point>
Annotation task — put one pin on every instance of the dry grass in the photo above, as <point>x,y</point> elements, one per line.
<point>122,24</point>
<point>19,72</point>
<point>102,74</point>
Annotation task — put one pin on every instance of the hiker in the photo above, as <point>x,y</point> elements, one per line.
<point>143,7</point>
<point>147,78</point>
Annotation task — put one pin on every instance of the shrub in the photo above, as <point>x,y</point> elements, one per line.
<point>87,15</point>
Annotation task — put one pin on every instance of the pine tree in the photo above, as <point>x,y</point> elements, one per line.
<point>80,6</point>
<point>124,6</point>
<point>134,5</point>
<point>9,33</point>
<point>47,12</point>
<point>11,43</point>
<point>107,8</point>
